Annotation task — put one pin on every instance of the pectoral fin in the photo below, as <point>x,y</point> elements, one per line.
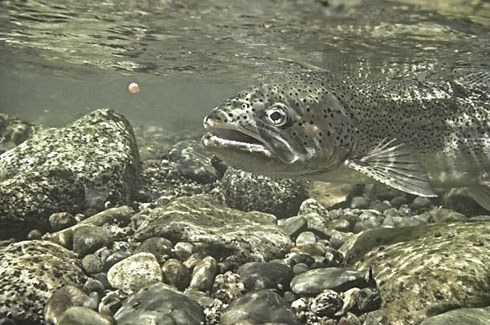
<point>481,194</point>
<point>394,165</point>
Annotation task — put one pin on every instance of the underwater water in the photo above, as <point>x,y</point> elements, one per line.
<point>61,59</point>
<point>149,227</point>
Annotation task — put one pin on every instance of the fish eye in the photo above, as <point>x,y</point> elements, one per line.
<point>277,114</point>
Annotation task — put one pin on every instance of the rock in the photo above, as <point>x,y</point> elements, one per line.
<point>176,274</point>
<point>30,273</point>
<point>83,316</point>
<point>327,303</point>
<point>305,238</point>
<point>158,246</point>
<point>328,194</point>
<point>159,304</point>
<point>446,215</point>
<point>87,239</point>
<point>265,275</point>
<point>421,203</point>
<point>13,131</point>
<point>92,264</point>
<point>293,226</point>
<point>110,303</point>
<point>227,287</point>
<point>258,307</point>
<point>135,272</point>
<point>194,162</point>
<point>62,299</point>
<point>203,274</point>
<point>368,299</point>
<point>315,281</point>
<point>224,233</point>
<point>250,192</point>
<point>310,206</point>
<point>463,316</point>
<point>183,250</point>
<point>28,199</point>
<point>61,220</point>
<point>359,202</point>
<point>97,154</point>
<point>425,265</point>
<point>115,257</point>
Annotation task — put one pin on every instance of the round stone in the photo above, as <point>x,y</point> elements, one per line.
<point>203,274</point>
<point>134,272</point>
<point>87,239</point>
<point>176,274</point>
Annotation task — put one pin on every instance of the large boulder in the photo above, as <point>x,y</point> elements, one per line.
<point>216,230</point>
<point>30,272</point>
<point>98,156</point>
<point>425,268</point>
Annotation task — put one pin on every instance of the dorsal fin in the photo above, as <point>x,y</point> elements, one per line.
<point>393,164</point>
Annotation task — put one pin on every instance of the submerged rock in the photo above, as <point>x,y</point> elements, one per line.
<point>30,272</point>
<point>463,316</point>
<point>315,281</point>
<point>216,230</point>
<point>13,131</point>
<point>97,154</point>
<point>258,307</point>
<point>159,304</point>
<point>416,267</point>
<point>250,192</point>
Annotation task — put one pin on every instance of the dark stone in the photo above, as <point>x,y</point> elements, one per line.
<point>87,239</point>
<point>368,300</point>
<point>250,192</point>
<point>161,303</point>
<point>258,307</point>
<point>194,162</point>
<point>268,275</point>
<point>315,281</point>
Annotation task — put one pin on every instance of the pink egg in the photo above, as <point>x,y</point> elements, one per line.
<point>133,88</point>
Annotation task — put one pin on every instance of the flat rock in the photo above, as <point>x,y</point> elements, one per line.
<point>30,272</point>
<point>419,267</point>
<point>463,316</point>
<point>99,150</point>
<point>315,281</point>
<point>159,304</point>
<point>258,307</point>
<point>251,192</point>
<point>135,272</point>
<point>216,230</point>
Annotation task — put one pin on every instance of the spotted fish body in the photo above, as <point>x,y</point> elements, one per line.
<point>409,135</point>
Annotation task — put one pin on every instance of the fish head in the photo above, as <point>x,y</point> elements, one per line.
<point>294,125</point>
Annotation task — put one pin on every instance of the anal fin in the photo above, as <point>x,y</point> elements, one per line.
<point>396,166</point>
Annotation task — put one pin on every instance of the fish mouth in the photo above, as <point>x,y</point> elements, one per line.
<point>224,137</point>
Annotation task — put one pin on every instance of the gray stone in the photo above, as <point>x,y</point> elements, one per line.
<point>176,274</point>
<point>421,203</point>
<point>183,250</point>
<point>311,205</point>
<point>327,303</point>
<point>203,274</point>
<point>62,299</point>
<point>115,257</point>
<point>135,272</point>
<point>29,198</point>
<point>463,316</point>
<point>92,264</point>
<point>446,215</point>
<point>359,202</point>
<point>228,287</point>
<point>258,307</point>
<point>224,233</point>
<point>92,160</point>
<point>61,220</point>
<point>305,238</point>
<point>13,131</point>
<point>158,246</point>
<point>30,273</point>
<point>194,162</point>
<point>250,192</point>
<point>265,275</point>
<point>446,262</point>
<point>315,281</point>
<point>162,305</point>
<point>87,239</point>
<point>83,316</point>
<point>293,226</point>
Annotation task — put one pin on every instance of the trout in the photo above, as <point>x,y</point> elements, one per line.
<point>413,136</point>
